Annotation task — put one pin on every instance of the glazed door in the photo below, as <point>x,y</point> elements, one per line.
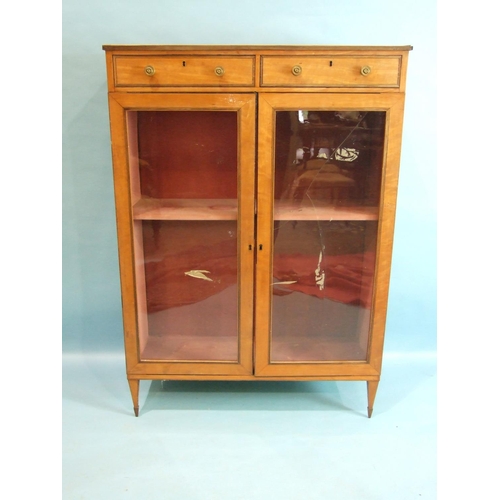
<point>328,167</point>
<point>185,209</point>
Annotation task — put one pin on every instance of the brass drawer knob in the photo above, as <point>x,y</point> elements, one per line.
<point>296,70</point>
<point>149,70</point>
<point>366,70</point>
<point>219,70</point>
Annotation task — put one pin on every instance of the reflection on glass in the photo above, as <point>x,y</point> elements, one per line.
<point>328,168</point>
<point>183,168</point>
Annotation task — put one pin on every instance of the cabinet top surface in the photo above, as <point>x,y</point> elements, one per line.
<point>257,47</point>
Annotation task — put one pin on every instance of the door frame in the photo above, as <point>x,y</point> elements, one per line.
<point>269,103</point>
<point>244,105</point>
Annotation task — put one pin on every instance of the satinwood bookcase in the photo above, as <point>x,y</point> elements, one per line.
<point>255,196</point>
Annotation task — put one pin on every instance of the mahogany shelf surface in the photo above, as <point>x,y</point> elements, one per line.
<point>186,209</point>
<point>291,211</point>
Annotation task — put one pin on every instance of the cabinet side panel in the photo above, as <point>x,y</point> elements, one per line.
<point>133,156</point>
<point>110,71</point>
<point>140,276</point>
<point>124,228</point>
<point>394,127</point>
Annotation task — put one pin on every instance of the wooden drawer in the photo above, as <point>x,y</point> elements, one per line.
<point>192,71</point>
<point>335,71</point>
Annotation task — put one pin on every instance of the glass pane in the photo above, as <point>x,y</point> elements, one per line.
<point>184,186</point>
<point>191,289</point>
<point>328,168</point>
<point>188,154</point>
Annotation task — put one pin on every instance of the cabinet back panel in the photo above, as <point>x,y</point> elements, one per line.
<point>190,154</point>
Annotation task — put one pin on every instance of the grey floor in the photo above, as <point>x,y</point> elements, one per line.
<point>248,440</point>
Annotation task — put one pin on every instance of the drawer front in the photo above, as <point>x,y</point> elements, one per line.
<point>335,71</point>
<point>192,71</point>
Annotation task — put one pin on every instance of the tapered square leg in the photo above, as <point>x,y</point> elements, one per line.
<point>372,386</point>
<point>134,390</point>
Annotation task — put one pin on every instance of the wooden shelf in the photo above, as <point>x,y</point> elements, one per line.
<point>185,209</point>
<point>290,211</point>
<point>226,209</point>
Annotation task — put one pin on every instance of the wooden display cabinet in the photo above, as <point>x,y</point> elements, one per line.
<point>255,196</point>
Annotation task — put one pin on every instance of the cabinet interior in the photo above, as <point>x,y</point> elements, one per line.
<point>184,183</point>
